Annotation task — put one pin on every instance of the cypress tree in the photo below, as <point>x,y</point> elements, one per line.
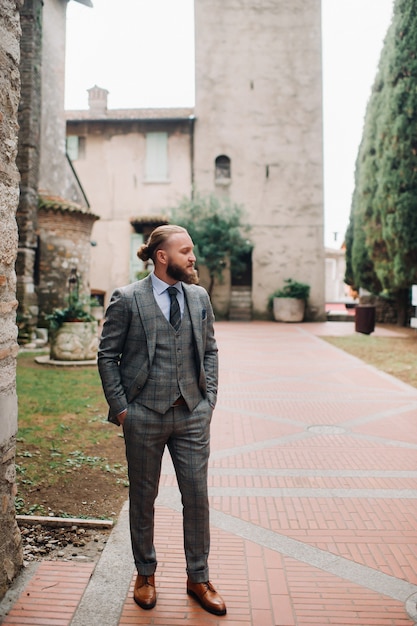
<point>384,205</point>
<point>360,271</point>
<point>392,231</point>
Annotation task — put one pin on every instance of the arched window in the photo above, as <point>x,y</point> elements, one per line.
<point>223,168</point>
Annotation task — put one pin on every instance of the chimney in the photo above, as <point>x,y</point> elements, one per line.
<point>97,99</point>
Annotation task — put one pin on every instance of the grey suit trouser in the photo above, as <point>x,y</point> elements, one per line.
<point>187,436</point>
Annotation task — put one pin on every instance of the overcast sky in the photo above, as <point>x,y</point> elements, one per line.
<point>120,49</point>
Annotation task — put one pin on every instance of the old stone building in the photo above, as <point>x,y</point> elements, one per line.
<point>51,193</point>
<point>254,136</point>
<point>10,542</point>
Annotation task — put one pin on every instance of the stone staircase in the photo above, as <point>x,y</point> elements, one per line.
<point>240,304</point>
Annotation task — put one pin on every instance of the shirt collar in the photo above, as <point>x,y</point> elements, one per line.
<point>160,286</point>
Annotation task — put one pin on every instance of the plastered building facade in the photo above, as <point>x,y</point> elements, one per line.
<point>254,135</point>
<point>134,165</point>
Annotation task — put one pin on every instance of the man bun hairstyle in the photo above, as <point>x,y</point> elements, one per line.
<point>157,240</point>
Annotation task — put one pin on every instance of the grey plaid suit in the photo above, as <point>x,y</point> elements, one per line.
<point>139,363</point>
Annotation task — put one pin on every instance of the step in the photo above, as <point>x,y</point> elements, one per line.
<point>339,316</point>
<point>240,315</point>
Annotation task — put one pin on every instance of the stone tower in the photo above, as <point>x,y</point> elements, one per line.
<point>258,132</point>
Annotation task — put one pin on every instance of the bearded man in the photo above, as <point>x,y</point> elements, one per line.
<point>158,364</point>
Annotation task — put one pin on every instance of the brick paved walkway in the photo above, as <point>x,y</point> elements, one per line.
<point>313,487</point>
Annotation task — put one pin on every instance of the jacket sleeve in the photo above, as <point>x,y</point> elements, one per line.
<point>211,363</point>
<point>113,338</point>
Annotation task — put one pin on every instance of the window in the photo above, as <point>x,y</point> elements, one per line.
<point>75,147</point>
<point>223,168</point>
<point>156,165</point>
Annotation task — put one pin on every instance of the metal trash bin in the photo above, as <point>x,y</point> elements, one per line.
<point>365,319</point>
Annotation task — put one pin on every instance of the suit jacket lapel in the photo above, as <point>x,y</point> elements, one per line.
<point>146,306</point>
<point>194,307</point>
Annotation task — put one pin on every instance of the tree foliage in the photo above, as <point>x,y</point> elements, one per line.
<point>381,240</point>
<point>217,230</point>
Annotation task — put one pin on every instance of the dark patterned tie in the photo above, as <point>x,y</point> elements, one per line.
<point>174,311</point>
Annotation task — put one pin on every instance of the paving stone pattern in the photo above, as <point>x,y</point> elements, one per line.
<point>313,497</point>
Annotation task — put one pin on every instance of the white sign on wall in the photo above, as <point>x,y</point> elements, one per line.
<point>414,295</point>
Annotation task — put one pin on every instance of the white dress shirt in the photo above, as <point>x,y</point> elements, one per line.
<point>162,296</point>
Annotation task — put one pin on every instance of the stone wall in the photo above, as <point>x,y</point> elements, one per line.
<point>42,161</point>
<point>28,163</point>
<point>10,541</point>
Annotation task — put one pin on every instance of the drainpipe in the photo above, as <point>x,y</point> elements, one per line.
<point>192,120</point>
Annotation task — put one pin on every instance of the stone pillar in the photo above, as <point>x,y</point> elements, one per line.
<point>64,244</point>
<point>28,161</point>
<point>10,541</point>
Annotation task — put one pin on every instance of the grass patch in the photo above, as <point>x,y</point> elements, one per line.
<point>63,435</point>
<point>60,411</point>
<point>394,355</point>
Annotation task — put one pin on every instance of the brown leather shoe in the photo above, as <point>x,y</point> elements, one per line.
<point>207,596</point>
<point>144,592</point>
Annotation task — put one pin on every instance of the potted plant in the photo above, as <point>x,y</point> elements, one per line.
<point>73,329</point>
<point>288,303</point>
<point>75,311</point>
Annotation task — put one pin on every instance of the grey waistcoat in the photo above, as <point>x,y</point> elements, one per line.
<point>173,371</point>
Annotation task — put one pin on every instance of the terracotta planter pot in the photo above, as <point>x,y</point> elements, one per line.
<point>74,341</point>
<point>289,309</point>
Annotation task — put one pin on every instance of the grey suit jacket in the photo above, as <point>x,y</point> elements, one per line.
<point>128,341</point>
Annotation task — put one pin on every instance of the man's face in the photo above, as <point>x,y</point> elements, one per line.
<point>181,259</point>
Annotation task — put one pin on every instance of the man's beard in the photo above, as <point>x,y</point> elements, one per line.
<point>177,273</point>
